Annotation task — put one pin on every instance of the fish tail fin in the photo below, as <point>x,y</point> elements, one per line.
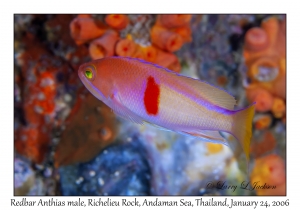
<point>242,127</point>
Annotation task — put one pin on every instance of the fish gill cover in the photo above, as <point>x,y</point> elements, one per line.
<point>69,143</point>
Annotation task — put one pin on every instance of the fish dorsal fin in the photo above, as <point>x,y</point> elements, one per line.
<point>119,109</point>
<point>212,94</point>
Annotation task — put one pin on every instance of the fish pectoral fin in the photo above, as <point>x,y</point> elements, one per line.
<point>119,109</point>
<point>208,135</point>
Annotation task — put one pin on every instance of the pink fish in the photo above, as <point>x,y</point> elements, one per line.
<point>145,92</point>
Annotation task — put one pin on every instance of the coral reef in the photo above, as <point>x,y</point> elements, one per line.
<point>168,34</point>
<point>40,84</point>
<point>264,54</point>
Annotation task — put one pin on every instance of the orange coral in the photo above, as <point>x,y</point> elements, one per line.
<point>126,47</point>
<point>279,86</point>
<point>278,108</point>
<point>171,21</point>
<point>44,102</point>
<point>185,32</point>
<point>39,89</point>
<point>30,114</point>
<point>256,39</point>
<point>147,53</point>
<point>263,122</point>
<point>263,99</point>
<point>103,46</point>
<point>261,64</point>
<point>150,53</point>
<point>165,39</point>
<point>139,53</point>
<point>264,53</point>
<point>117,21</point>
<point>271,170</point>
<point>84,29</point>
<point>167,60</point>
<point>271,26</point>
<point>275,80</point>
<point>273,44</point>
<point>32,142</point>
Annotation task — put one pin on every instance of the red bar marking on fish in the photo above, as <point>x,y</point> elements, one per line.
<point>151,96</point>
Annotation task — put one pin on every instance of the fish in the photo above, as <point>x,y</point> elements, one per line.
<point>144,92</point>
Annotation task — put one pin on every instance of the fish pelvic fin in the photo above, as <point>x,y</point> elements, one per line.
<point>242,127</point>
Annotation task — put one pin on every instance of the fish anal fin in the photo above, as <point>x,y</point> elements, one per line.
<point>158,127</point>
<point>208,135</point>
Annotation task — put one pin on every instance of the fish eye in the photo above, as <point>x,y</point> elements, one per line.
<point>89,72</point>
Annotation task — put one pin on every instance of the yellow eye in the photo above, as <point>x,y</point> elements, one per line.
<point>88,73</point>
